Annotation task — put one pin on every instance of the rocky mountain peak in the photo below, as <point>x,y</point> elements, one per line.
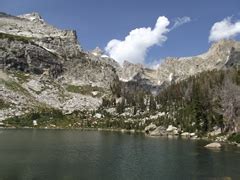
<point>127,64</point>
<point>224,43</point>
<point>221,54</point>
<point>220,49</point>
<point>97,51</point>
<point>34,16</point>
<point>63,43</point>
<point>4,14</point>
<point>129,70</point>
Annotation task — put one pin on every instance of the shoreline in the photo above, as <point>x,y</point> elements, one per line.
<point>132,131</point>
<point>82,129</point>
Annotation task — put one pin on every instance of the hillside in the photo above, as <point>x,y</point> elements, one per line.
<point>45,73</point>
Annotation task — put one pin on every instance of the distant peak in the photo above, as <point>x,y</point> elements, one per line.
<point>3,14</point>
<point>223,46</point>
<point>127,63</point>
<point>224,43</point>
<point>97,51</point>
<point>32,16</point>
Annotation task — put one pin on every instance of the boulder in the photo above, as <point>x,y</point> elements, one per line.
<point>213,145</point>
<point>34,85</point>
<point>175,132</point>
<point>221,138</point>
<point>150,127</point>
<point>216,132</point>
<point>159,131</point>
<point>192,134</point>
<point>95,93</point>
<point>35,123</point>
<point>52,125</point>
<point>185,134</point>
<point>194,137</point>
<point>171,128</point>
<point>98,115</point>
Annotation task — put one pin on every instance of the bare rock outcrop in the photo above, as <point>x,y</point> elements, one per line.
<point>221,54</point>
<point>61,42</point>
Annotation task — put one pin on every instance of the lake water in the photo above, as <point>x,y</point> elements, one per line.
<point>75,154</point>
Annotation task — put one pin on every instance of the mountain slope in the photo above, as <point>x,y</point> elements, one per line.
<point>44,67</point>
<point>177,69</point>
<point>45,73</point>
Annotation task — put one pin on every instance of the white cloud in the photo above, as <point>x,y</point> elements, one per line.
<point>224,29</point>
<point>134,47</point>
<point>180,21</point>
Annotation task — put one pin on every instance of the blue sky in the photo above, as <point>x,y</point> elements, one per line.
<point>99,21</point>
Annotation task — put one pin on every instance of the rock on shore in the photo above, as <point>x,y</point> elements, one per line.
<point>213,145</point>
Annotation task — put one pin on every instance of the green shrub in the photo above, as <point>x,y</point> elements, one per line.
<point>15,37</point>
<point>85,89</point>
<point>235,137</point>
<point>3,104</point>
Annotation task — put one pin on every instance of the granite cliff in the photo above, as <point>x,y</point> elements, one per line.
<point>42,66</point>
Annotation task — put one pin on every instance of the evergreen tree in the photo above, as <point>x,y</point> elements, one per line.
<point>152,104</point>
<point>120,107</point>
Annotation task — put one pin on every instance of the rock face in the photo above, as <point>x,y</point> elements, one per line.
<point>20,53</point>
<point>29,44</point>
<point>61,42</point>
<point>42,66</point>
<point>234,58</point>
<point>85,70</point>
<point>176,69</point>
<point>222,54</point>
<point>129,71</point>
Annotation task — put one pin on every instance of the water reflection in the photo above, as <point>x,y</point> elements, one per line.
<point>73,154</point>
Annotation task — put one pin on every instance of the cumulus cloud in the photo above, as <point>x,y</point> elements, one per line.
<point>134,47</point>
<point>224,29</point>
<point>180,21</point>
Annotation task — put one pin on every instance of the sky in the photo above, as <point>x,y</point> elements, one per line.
<point>141,31</point>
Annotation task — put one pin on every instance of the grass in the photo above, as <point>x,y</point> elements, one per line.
<point>3,104</point>
<point>16,87</point>
<point>21,76</point>
<point>15,37</point>
<point>53,118</point>
<point>85,90</point>
<point>44,117</point>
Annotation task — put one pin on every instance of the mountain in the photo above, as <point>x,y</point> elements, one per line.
<point>42,66</point>
<point>44,72</point>
<point>32,26</point>
<point>173,69</point>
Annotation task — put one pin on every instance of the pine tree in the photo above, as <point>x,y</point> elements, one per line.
<point>152,104</point>
<point>120,107</point>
